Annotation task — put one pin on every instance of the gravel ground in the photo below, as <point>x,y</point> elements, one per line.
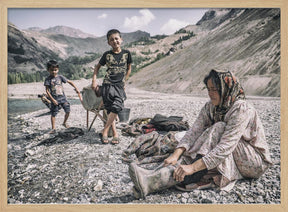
<point>83,171</point>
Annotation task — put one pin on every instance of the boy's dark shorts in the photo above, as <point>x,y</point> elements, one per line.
<point>113,96</point>
<point>61,103</point>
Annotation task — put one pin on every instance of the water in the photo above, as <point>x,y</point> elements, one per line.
<point>20,106</point>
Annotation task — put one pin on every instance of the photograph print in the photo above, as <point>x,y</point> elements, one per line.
<point>143,106</point>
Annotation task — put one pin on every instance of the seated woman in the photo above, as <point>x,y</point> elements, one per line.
<point>227,138</point>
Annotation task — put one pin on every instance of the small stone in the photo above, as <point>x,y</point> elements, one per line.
<point>21,192</point>
<point>31,166</point>
<point>262,193</point>
<point>37,194</point>
<point>183,200</point>
<point>206,201</point>
<point>45,185</point>
<point>250,200</point>
<point>260,199</point>
<point>185,195</point>
<point>260,186</point>
<point>126,180</point>
<point>223,193</point>
<point>196,193</point>
<point>99,186</point>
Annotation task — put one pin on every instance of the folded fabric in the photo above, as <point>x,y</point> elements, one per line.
<point>150,148</point>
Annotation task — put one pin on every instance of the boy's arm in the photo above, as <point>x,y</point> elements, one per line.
<point>76,89</point>
<point>73,85</point>
<point>94,78</point>
<point>128,72</point>
<point>50,96</point>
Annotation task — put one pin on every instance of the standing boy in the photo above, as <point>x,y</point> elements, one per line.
<point>55,92</point>
<point>118,62</point>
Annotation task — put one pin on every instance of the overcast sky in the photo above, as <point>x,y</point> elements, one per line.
<point>99,21</point>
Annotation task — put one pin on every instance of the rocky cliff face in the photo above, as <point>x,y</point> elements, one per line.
<point>214,18</point>
<point>245,41</point>
<point>25,54</point>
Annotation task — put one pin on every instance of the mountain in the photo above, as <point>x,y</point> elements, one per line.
<point>214,18</point>
<point>81,46</point>
<point>34,29</point>
<point>25,54</point>
<point>67,41</point>
<point>244,41</point>
<point>67,31</point>
<point>29,50</point>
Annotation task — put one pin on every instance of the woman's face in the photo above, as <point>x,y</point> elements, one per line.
<point>213,93</point>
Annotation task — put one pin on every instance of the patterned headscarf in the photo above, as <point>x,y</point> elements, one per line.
<point>230,90</point>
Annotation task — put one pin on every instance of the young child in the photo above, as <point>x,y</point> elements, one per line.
<point>118,62</point>
<point>55,92</point>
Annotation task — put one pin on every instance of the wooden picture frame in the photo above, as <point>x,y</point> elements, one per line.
<point>6,4</point>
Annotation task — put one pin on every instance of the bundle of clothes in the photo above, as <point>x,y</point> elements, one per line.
<point>156,138</point>
<point>159,122</point>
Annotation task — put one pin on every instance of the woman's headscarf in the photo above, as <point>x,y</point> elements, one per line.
<point>229,89</point>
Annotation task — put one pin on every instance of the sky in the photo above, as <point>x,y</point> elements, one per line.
<point>98,21</point>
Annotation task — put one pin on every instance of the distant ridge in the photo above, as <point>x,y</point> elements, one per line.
<point>63,30</point>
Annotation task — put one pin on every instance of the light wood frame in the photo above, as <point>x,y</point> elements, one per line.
<point>6,4</point>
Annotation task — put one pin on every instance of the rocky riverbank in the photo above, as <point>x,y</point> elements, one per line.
<point>81,170</point>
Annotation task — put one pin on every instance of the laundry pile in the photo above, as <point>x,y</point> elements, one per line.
<point>156,138</point>
<point>159,122</point>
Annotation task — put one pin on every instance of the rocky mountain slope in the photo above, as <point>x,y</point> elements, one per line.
<point>245,41</point>
<point>25,53</point>
<point>29,50</point>
<point>76,42</point>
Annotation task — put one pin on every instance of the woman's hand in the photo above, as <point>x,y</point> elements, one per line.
<point>171,160</point>
<point>182,170</point>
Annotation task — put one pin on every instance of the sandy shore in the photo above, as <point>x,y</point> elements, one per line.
<point>31,90</point>
<point>83,171</point>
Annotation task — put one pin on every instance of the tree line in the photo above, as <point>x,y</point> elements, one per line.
<point>72,68</point>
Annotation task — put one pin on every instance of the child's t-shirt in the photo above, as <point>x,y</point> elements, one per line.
<point>55,86</point>
<point>116,65</point>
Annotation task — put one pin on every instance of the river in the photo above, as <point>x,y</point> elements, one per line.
<point>21,106</point>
